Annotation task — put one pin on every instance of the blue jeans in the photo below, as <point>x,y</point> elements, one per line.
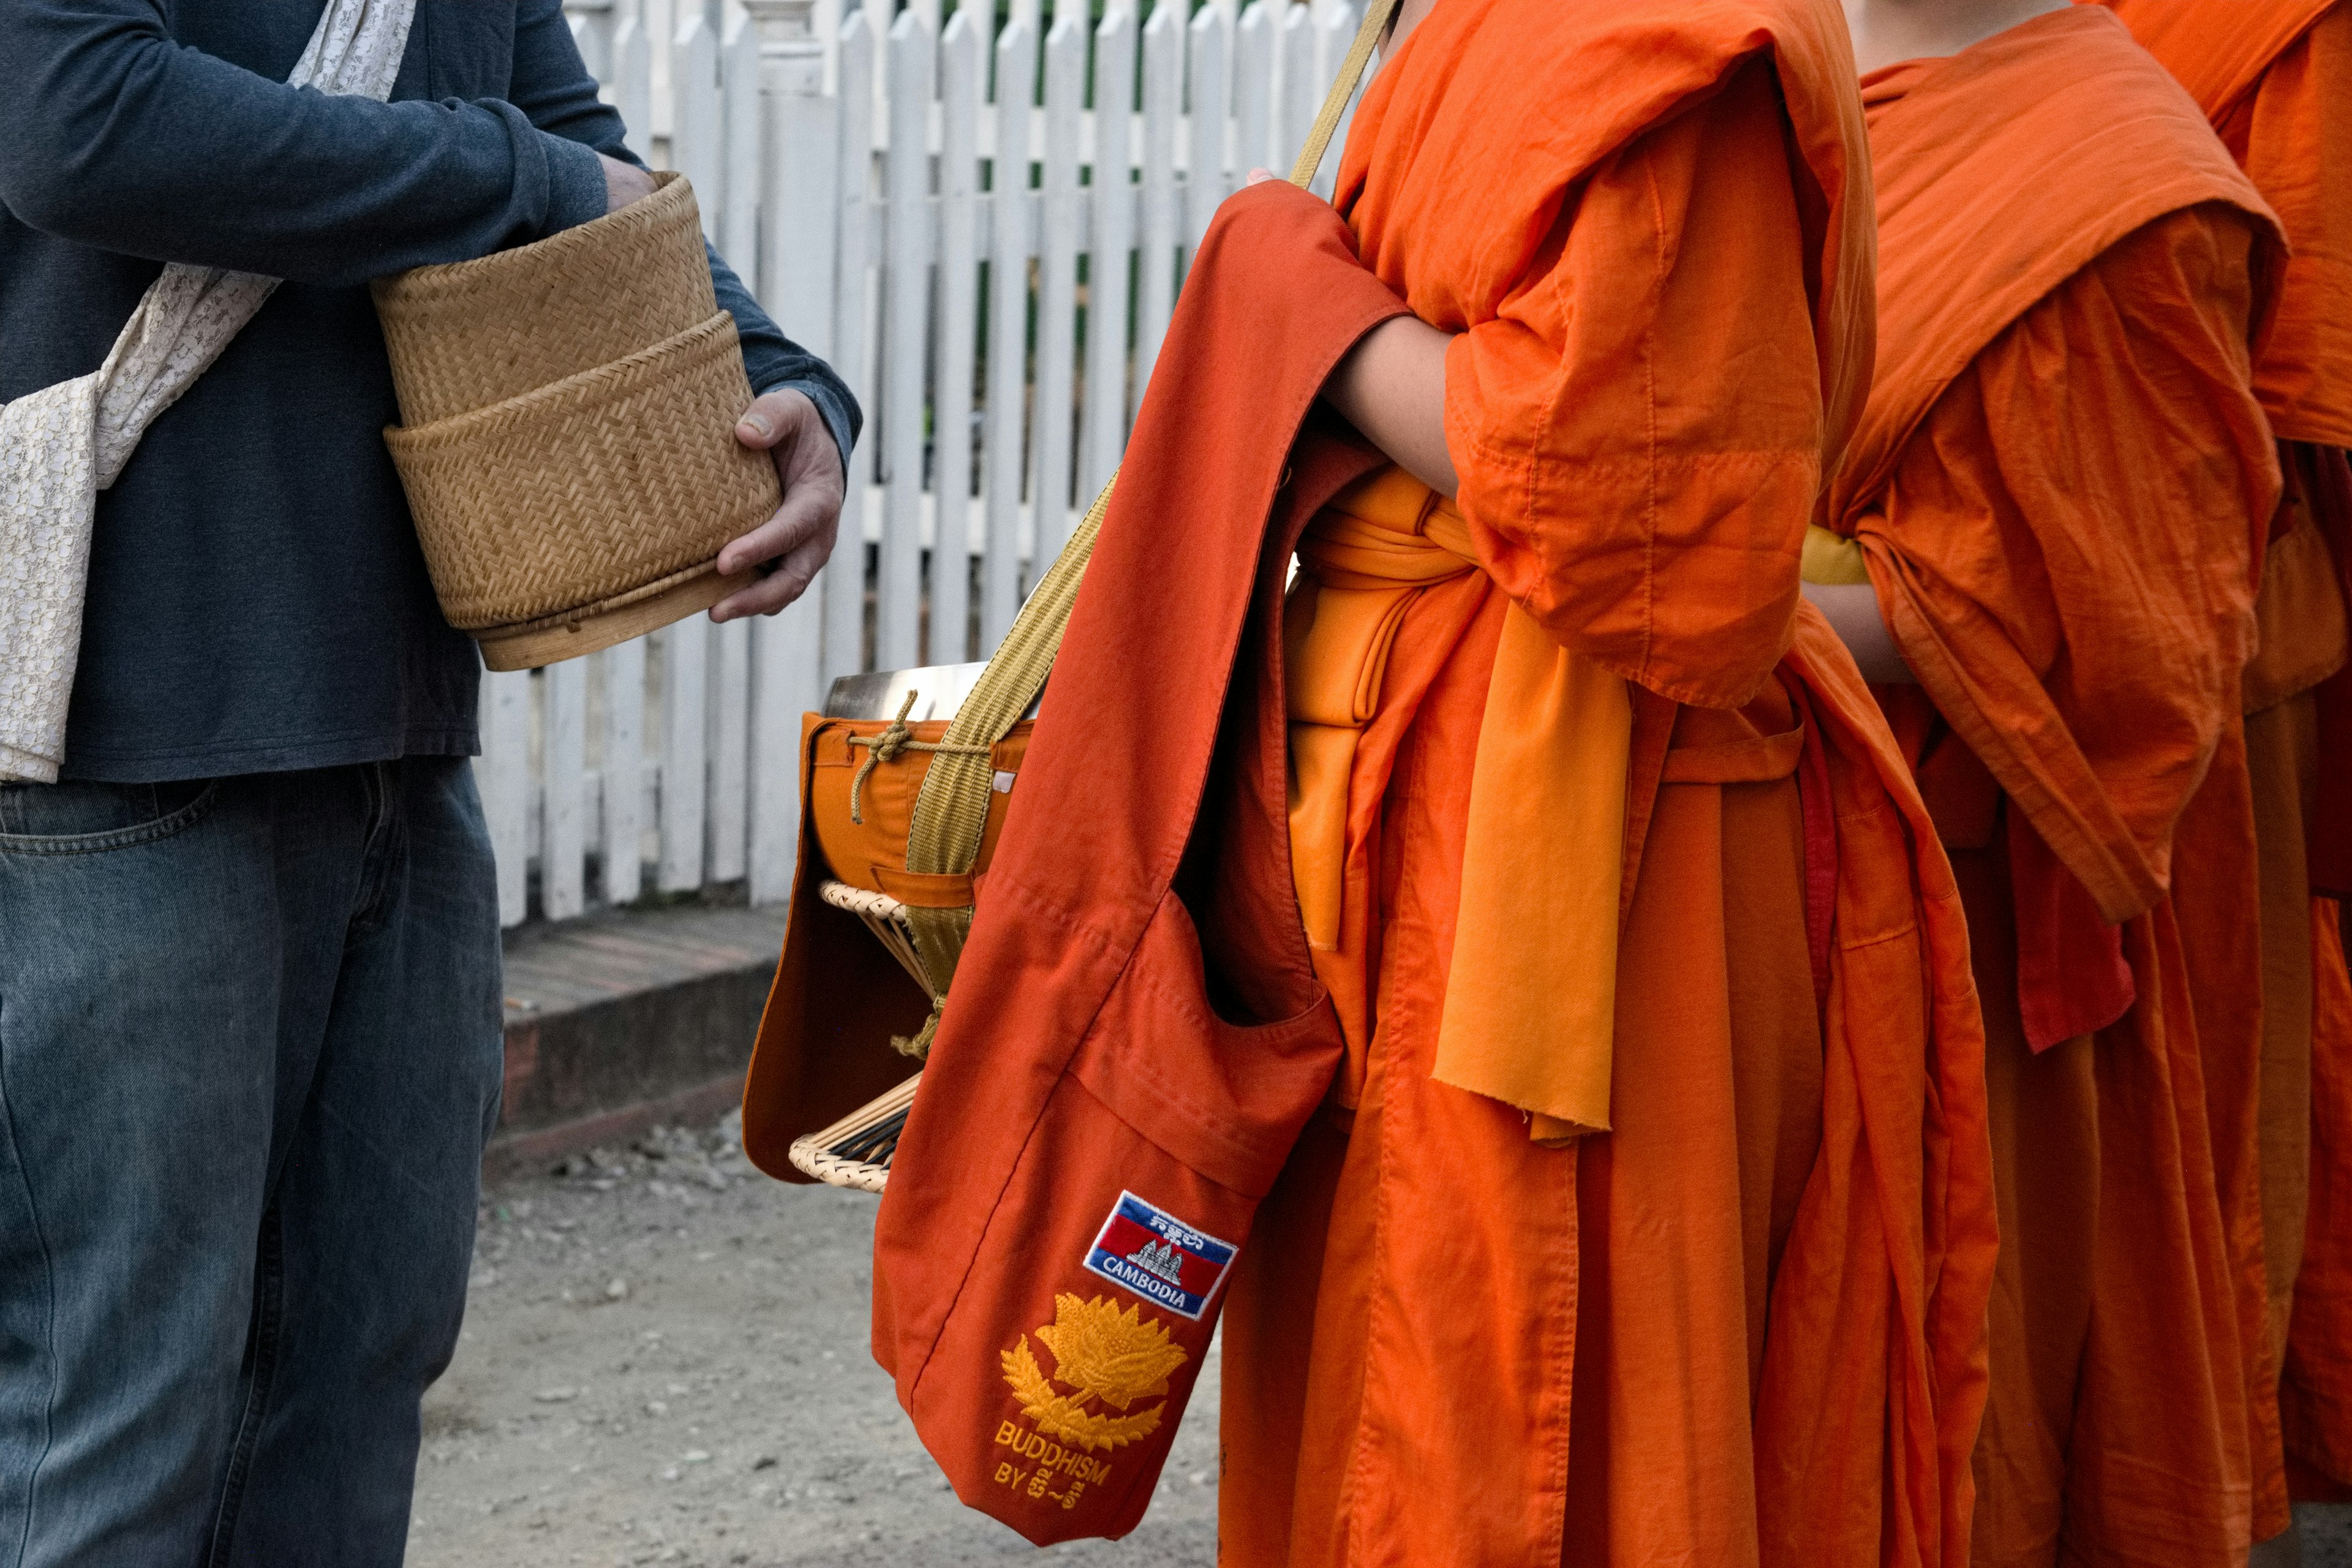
<point>250,1046</point>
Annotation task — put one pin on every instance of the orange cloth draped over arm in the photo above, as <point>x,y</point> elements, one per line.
<point>2060,490</point>
<point>2275,78</point>
<point>2077,607</point>
<point>1561,395</point>
<point>2086,644</point>
<point>1744,1326</point>
<point>1628,462</point>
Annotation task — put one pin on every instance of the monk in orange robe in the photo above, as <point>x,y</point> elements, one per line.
<point>2274,77</point>
<point>2055,509</point>
<point>1648,1220</point>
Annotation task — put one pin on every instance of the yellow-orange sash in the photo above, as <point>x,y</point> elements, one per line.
<point>1530,1002</point>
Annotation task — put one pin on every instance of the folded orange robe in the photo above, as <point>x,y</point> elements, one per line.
<point>2060,488</point>
<point>2275,78</point>
<point>1743,1325</point>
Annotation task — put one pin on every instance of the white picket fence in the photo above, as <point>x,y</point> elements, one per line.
<point>849,169</point>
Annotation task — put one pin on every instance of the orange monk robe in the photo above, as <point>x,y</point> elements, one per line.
<point>2274,77</point>
<point>1744,1325</point>
<point>2060,488</point>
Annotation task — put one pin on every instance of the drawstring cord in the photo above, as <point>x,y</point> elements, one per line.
<point>886,746</point>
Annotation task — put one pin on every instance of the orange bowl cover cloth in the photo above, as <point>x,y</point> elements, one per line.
<point>872,853</point>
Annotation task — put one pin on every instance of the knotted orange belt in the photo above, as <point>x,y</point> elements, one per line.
<point>1531,1000</point>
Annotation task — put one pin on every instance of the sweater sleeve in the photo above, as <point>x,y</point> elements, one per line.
<point>114,135</point>
<point>553,87</point>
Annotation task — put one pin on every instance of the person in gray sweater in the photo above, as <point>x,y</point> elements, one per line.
<point>250,1016</point>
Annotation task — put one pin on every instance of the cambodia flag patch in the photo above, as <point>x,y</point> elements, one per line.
<point>1148,1251</point>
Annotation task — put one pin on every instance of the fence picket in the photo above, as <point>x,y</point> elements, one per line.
<point>660,19</point>
<point>1163,87</point>
<point>1295,87</point>
<point>1253,91</point>
<point>502,773</point>
<point>1111,245</point>
<point>1335,29</point>
<point>961,61</point>
<point>1057,283</point>
<point>739,200</point>
<point>632,85</point>
<point>1011,245</point>
<point>799,171</point>
<point>906,338</point>
<point>684,758</point>
<point>697,146</point>
<point>845,574</point>
<point>591,29</point>
<point>728,725</point>
<point>620,768</point>
<point>563,768</point>
<point>1205,185</point>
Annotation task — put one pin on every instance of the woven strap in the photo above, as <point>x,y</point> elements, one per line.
<point>951,809</point>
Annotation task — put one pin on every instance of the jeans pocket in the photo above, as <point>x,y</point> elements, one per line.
<point>84,818</point>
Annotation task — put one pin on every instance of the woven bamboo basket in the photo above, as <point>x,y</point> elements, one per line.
<point>567,435</point>
<point>856,1150</point>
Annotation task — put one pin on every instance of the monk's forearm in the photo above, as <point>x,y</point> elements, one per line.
<point>1391,386</point>
<point>1854,614</point>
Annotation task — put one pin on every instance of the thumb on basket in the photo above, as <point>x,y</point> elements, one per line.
<point>792,545</point>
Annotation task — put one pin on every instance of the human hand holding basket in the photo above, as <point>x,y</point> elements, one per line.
<point>568,440</point>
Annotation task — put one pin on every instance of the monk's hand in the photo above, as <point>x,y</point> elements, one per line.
<point>1258,176</point>
<point>623,182</point>
<point>790,546</point>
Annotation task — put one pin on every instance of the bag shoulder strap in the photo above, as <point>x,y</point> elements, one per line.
<point>951,808</point>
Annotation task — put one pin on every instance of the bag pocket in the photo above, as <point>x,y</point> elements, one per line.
<point>1067,1359</point>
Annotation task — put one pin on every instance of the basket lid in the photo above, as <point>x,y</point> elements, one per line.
<point>471,335</point>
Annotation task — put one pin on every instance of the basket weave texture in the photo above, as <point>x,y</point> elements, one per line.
<point>570,407</point>
<point>466,336</point>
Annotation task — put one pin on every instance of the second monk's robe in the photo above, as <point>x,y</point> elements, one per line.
<point>2060,488</point>
<point>2274,77</point>
<point>1721,1300</point>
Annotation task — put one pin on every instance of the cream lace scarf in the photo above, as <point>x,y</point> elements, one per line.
<point>62,445</point>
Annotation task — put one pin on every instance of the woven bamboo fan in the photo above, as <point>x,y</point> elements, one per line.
<point>567,432</point>
<point>959,799</point>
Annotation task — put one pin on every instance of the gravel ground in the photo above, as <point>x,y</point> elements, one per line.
<point>665,1361</point>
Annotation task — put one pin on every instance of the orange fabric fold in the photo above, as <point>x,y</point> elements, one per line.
<point>1744,1326</point>
<point>2061,489</point>
<point>2094,695</point>
<point>2316,1400</point>
<point>2274,77</point>
<point>1535,932</point>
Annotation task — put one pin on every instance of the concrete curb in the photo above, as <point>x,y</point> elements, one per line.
<point>621,1021</point>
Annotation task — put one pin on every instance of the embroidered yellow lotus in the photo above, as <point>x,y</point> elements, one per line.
<point>1104,1354</point>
